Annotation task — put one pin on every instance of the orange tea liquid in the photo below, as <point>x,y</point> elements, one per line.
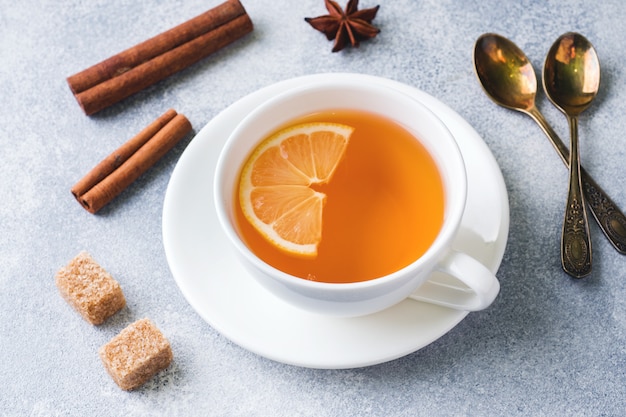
<point>383,210</point>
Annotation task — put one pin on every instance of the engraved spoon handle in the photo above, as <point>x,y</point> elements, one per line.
<point>575,239</point>
<point>606,213</point>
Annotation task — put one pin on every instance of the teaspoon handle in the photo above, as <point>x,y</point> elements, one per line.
<point>575,239</point>
<point>606,213</point>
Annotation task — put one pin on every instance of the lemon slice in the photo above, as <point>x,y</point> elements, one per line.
<point>275,189</point>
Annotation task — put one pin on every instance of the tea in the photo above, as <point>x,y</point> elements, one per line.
<point>383,210</point>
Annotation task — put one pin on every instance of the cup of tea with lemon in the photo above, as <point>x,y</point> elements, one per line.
<point>343,198</point>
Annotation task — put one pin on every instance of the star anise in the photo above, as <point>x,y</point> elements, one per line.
<point>352,25</point>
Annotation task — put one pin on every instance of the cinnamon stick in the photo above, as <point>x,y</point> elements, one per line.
<point>146,63</point>
<point>118,170</point>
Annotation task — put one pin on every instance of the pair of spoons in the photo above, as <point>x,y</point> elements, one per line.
<point>571,78</point>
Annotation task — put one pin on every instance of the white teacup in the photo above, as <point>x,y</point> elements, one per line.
<point>478,286</point>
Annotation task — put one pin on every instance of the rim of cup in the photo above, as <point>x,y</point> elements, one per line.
<point>303,100</point>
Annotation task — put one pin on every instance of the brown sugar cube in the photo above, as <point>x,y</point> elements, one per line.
<point>136,354</point>
<point>90,289</point>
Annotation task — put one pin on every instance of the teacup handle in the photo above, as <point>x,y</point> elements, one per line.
<point>481,285</point>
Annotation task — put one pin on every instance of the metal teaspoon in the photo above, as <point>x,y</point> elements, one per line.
<point>509,80</point>
<point>571,79</point>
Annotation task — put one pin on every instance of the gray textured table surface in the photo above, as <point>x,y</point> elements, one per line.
<point>548,346</point>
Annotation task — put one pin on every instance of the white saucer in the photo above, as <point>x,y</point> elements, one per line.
<point>231,301</point>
